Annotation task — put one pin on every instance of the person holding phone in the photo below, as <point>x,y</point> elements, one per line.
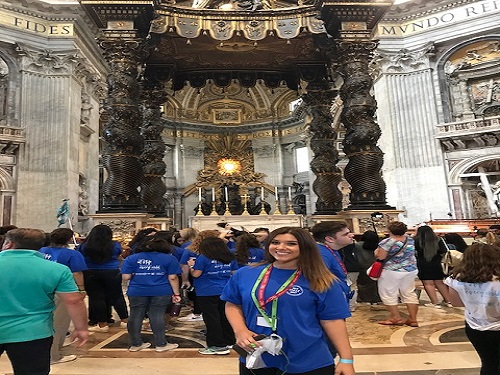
<point>277,298</point>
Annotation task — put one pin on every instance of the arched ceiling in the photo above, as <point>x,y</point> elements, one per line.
<point>230,106</point>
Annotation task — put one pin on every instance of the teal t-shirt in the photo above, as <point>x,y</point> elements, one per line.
<point>28,284</point>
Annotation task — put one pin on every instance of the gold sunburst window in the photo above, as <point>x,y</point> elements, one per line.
<point>228,167</point>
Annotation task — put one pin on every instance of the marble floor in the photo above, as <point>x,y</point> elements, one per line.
<point>438,346</point>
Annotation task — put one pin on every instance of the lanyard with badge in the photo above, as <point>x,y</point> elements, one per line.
<point>341,263</point>
<point>260,302</point>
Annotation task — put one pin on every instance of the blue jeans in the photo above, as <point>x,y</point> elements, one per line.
<point>155,306</point>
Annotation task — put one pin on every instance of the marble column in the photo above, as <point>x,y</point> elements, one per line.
<point>123,142</point>
<point>50,88</point>
<point>152,187</point>
<point>319,100</point>
<point>408,114</point>
<point>363,171</point>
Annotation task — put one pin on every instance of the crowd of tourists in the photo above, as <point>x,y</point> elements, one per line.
<point>253,291</point>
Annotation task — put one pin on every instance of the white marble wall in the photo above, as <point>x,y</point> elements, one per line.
<point>50,74</point>
<point>47,165</point>
<point>413,164</point>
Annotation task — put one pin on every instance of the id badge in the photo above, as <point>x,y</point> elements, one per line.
<point>262,322</point>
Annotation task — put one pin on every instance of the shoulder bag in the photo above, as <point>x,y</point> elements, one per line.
<point>376,268</point>
<point>450,259</point>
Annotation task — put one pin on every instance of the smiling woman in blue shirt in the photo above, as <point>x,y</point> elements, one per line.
<point>276,299</point>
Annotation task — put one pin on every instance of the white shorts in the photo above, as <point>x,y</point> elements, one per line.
<point>394,284</point>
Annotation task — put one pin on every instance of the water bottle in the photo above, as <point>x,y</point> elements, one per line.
<point>176,309</point>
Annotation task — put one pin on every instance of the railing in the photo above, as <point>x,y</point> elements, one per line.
<point>472,126</point>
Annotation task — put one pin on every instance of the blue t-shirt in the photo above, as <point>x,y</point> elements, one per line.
<point>255,255</point>
<point>299,313</point>
<point>231,245</point>
<point>71,258</point>
<point>214,277</point>
<point>150,271</point>
<point>334,266</point>
<point>112,264</point>
<point>177,252</point>
<point>186,255</point>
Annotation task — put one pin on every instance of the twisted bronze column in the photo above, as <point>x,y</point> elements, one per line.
<point>122,140</point>
<point>362,132</point>
<point>152,187</point>
<point>319,99</point>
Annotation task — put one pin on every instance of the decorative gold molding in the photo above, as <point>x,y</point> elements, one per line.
<point>226,115</point>
<point>169,133</point>
<point>223,25</point>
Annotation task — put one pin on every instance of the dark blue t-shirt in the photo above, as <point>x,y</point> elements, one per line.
<point>334,266</point>
<point>150,271</point>
<point>214,277</point>
<point>177,252</point>
<point>299,313</point>
<point>111,264</point>
<point>186,255</point>
<point>70,258</point>
<point>255,255</point>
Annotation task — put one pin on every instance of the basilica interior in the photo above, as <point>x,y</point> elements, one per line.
<point>167,112</point>
<point>172,113</point>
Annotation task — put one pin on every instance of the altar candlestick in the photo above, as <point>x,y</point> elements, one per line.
<point>213,194</point>
<point>276,192</point>
<point>289,193</point>
<point>199,194</point>
<point>261,193</point>
<point>225,193</point>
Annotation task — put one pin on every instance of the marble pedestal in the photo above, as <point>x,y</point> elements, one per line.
<point>249,222</point>
<point>123,225</point>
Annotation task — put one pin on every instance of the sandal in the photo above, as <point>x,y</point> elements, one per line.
<point>411,323</point>
<point>392,322</point>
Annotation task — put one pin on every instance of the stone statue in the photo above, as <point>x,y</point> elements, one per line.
<point>83,197</point>
<point>86,109</point>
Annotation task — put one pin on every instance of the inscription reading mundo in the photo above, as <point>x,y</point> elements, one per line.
<point>35,26</point>
<point>440,19</point>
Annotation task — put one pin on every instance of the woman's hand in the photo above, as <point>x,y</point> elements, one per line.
<point>344,369</point>
<point>245,340</point>
<point>176,298</point>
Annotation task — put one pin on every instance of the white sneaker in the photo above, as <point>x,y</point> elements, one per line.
<point>123,325</point>
<point>166,347</point>
<point>191,318</point>
<point>144,345</point>
<point>68,341</point>
<point>214,350</point>
<point>436,306</point>
<point>64,359</point>
<point>99,329</point>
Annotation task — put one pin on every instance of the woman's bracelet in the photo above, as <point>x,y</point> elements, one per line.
<point>177,295</point>
<point>346,361</point>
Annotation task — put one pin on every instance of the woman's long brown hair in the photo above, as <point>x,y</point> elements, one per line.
<point>200,237</point>
<point>480,264</point>
<point>310,261</point>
